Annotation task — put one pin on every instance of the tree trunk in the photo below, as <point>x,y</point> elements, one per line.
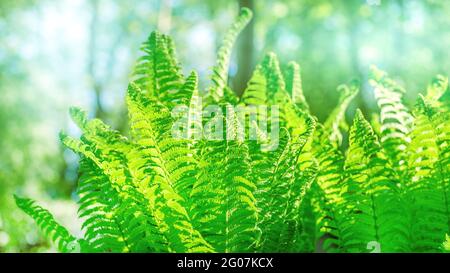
<point>96,86</point>
<point>353,48</point>
<point>245,52</point>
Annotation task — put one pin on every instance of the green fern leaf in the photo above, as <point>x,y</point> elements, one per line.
<point>336,119</point>
<point>374,207</point>
<point>220,71</point>
<point>396,119</point>
<point>225,210</point>
<point>294,86</point>
<point>428,188</point>
<point>48,225</point>
<point>157,72</point>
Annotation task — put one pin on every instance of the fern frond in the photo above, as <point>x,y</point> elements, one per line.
<point>294,86</point>
<point>446,244</point>
<point>170,166</point>
<point>157,72</point>
<point>225,210</point>
<point>429,186</point>
<point>106,206</point>
<point>255,93</point>
<point>331,208</point>
<point>279,207</point>
<point>267,88</point>
<point>297,225</point>
<point>336,119</point>
<point>267,85</point>
<point>165,204</point>
<point>374,208</point>
<point>276,86</point>
<point>151,124</point>
<point>220,70</point>
<point>328,189</point>
<point>396,119</point>
<point>437,88</point>
<point>47,224</point>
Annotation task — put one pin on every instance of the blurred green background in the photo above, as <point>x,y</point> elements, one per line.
<point>55,54</point>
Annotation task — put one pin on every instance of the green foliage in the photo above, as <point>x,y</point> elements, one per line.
<point>220,71</point>
<point>446,244</point>
<point>54,231</point>
<point>153,192</point>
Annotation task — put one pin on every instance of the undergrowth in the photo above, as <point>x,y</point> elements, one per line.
<point>153,192</point>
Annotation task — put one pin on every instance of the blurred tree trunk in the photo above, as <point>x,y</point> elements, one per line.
<point>94,83</point>
<point>165,16</point>
<point>354,46</point>
<point>100,83</point>
<point>245,52</point>
<point>399,38</point>
<point>356,66</point>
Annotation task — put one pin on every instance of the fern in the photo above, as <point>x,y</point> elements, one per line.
<point>261,184</point>
<point>220,71</point>
<point>294,86</point>
<point>372,202</point>
<point>429,184</point>
<point>157,72</point>
<point>396,119</point>
<point>336,120</point>
<point>226,209</point>
<point>330,179</point>
<point>446,244</point>
<point>47,224</point>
